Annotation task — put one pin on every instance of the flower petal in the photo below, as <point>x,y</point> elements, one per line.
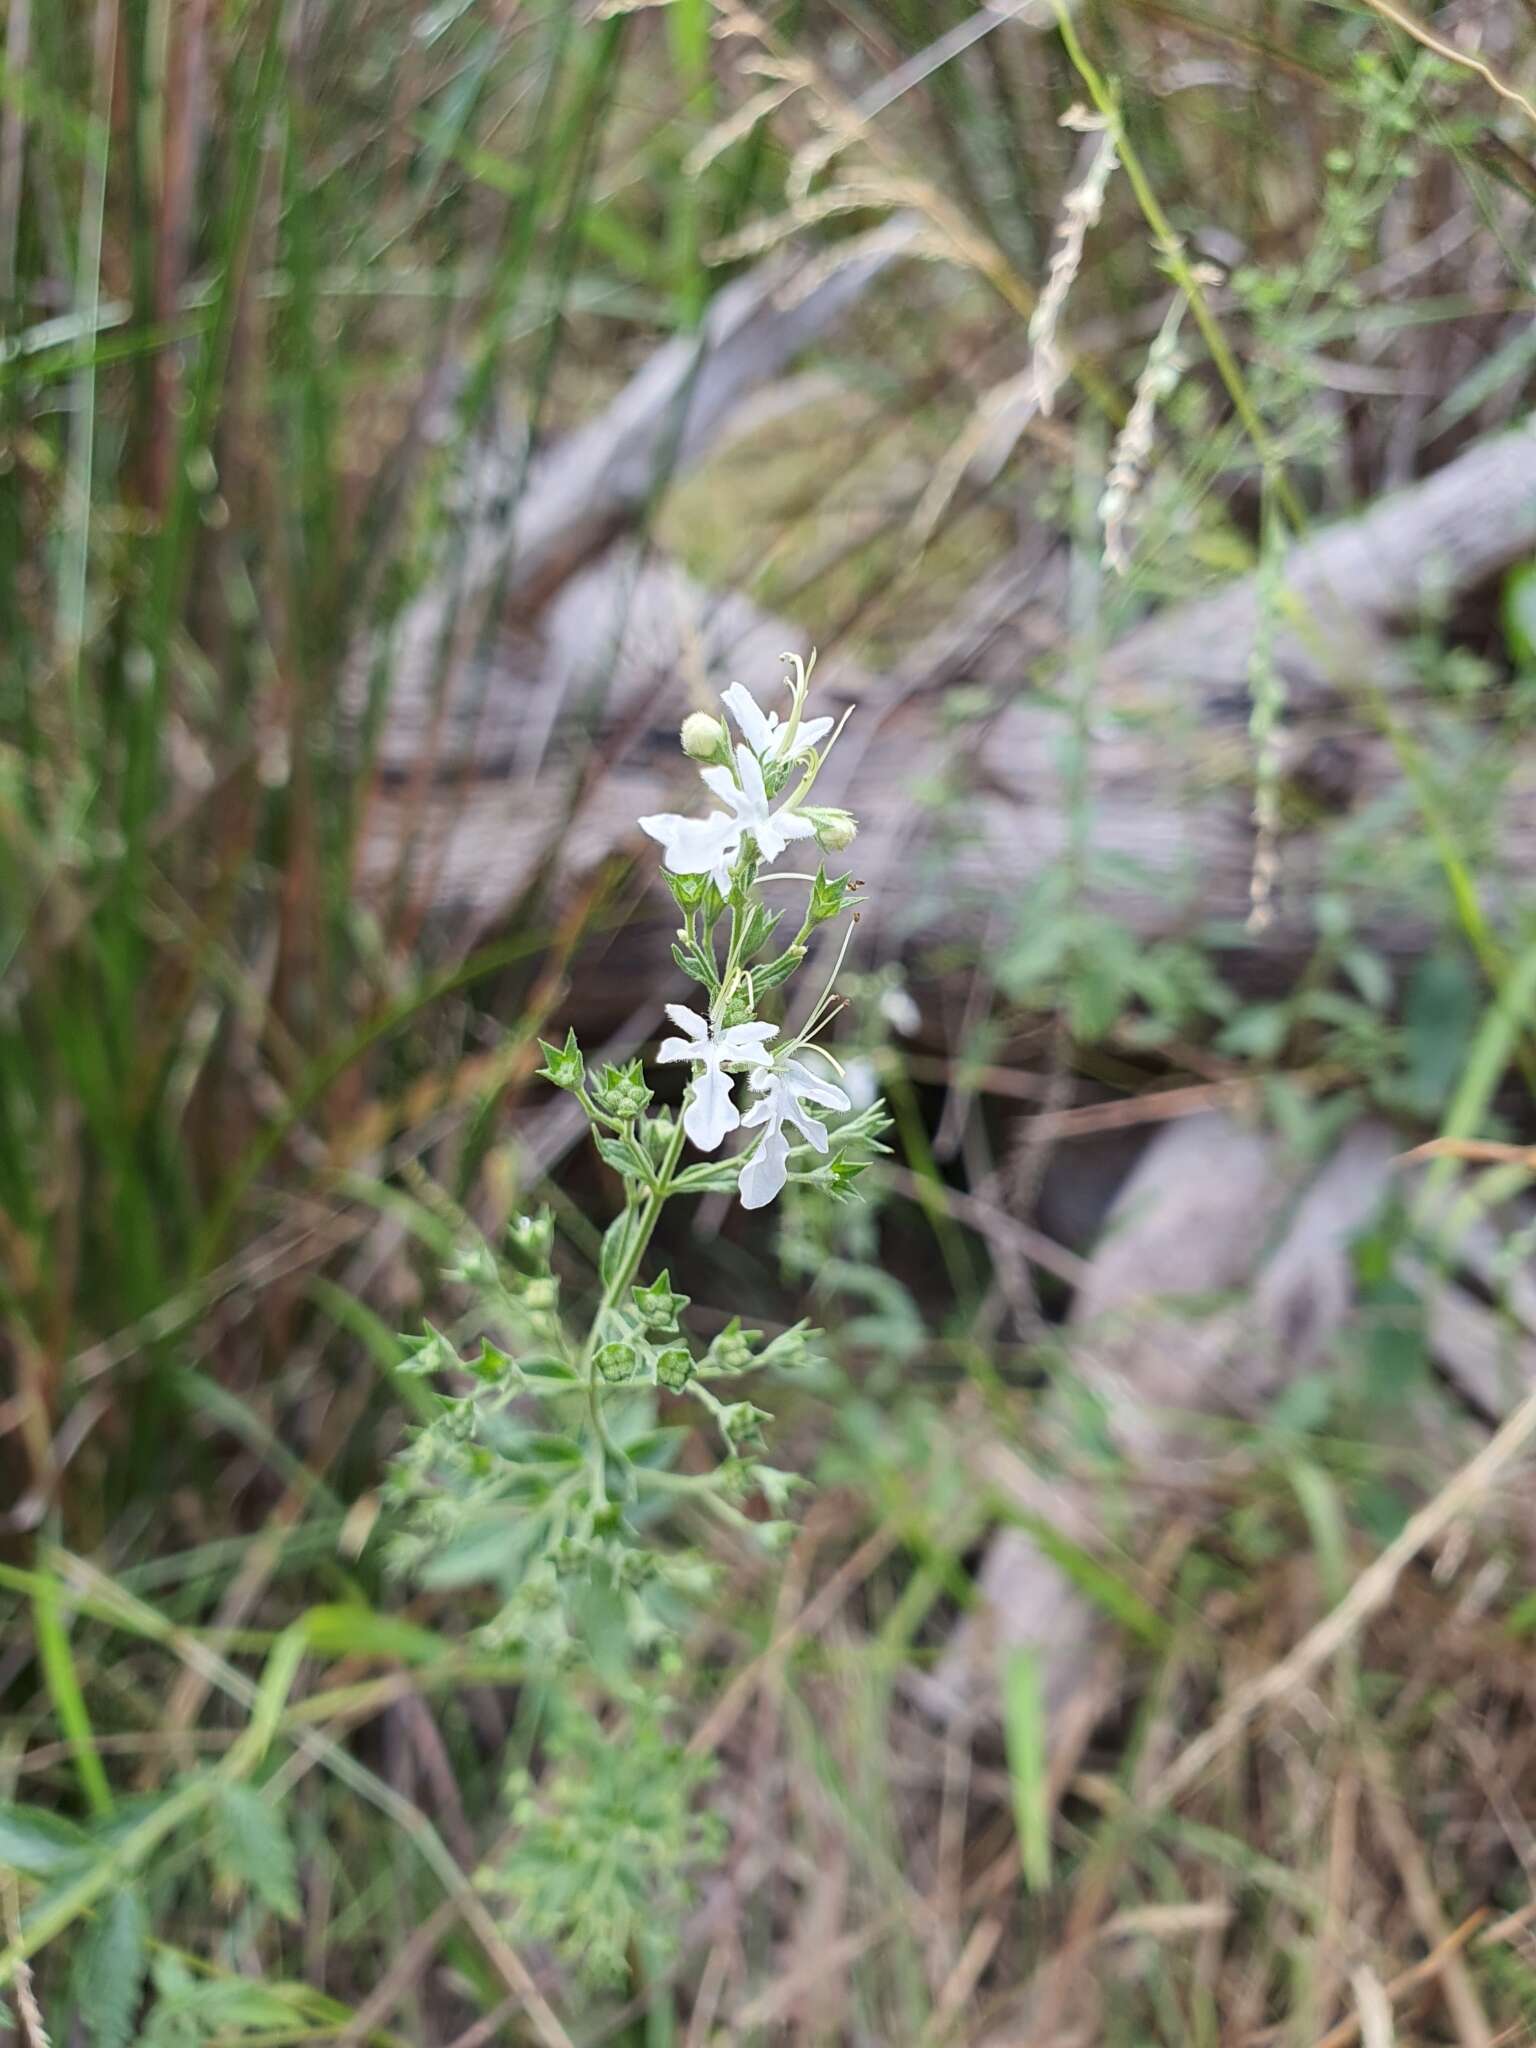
<point>810,1087</point>
<point>810,1128</point>
<point>693,846</point>
<point>711,1111</point>
<point>757,730</point>
<point>765,1172</point>
<point>673,1049</point>
<point>812,730</point>
<point>751,783</point>
<point>793,826</point>
<point>689,1022</point>
<point>724,785</point>
<point>746,1042</point>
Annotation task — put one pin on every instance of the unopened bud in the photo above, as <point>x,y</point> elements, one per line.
<point>835,829</point>
<point>703,737</point>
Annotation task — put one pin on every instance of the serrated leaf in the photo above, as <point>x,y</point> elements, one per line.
<point>41,1844</point>
<point>251,1846</point>
<point>109,1970</point>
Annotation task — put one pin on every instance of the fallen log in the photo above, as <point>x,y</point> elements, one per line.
<point>628,642</point>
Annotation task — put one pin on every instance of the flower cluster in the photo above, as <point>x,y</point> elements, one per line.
<point>548,1464</point>
<point>713,864</point>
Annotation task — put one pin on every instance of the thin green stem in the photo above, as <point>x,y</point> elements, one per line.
<point>1181,270</point>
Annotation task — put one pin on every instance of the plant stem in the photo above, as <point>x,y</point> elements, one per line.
<point>1181,270</point>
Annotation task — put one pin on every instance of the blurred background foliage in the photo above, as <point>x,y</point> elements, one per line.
<point>283,283</point>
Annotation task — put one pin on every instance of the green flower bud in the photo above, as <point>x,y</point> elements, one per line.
<point>617,1362</point>
<point>659,1308</point>
<point>836,830</point>
<point>621,1091</point>
<point>703,737</point>
<point>674,1369</point>
<point>659,1133</point>
<point>732,1349</point>
<point>530,1239</point>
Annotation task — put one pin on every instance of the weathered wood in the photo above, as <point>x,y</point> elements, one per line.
<point>1195,1218</point>
<point>627,642</point>
<point>523,528</point>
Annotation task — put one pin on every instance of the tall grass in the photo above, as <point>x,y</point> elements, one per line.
<point>272,276</point>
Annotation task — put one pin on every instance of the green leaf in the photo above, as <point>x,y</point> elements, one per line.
<point>625,1157</point>
<point>37,1843</point>
<point>251,1847</point>
<point>548,1375</point>
<point>760,925</point>
<point>697,965</point>
<point>551,1449</point>
<point>109,1970</point>
<point>1024,1736</point>
<point>1520,615</point>
<point>617,1239</point>
<point>1440,1015</point>
<point>348,1629</point>
<point>771,972</point>
<point>1122,1603</point>
<point>710,1177</point>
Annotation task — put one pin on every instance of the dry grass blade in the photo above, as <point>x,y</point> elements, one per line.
<point>1369,1594</point>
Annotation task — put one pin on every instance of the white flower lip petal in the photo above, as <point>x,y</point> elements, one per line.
<point>765,1172</point>
<point>783,1089</point>
<point>696,846</point>
<point>711,1110</point>
<point>765,733</point>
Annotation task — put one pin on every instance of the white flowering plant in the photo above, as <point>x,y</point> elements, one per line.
<point>552,1472</point>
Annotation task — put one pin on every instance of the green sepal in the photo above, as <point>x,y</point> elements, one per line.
<point>617,1362</point>
<point>563,1065</point>
<point>674,1368</point>
<point>829,897</point>
<point>428,1352</point>
<point>658,1307</point>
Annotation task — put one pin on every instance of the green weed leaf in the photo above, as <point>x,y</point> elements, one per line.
<point>109,1970</point>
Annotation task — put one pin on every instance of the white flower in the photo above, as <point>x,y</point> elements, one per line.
<point>710,846</point>
<point>901,1013</point>
<point>784,1088</point>
<point>711,1111</point>
<point>764,733</point>
<point>862,1082</point>
<point>697,846</point>
<point>772,830</point>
